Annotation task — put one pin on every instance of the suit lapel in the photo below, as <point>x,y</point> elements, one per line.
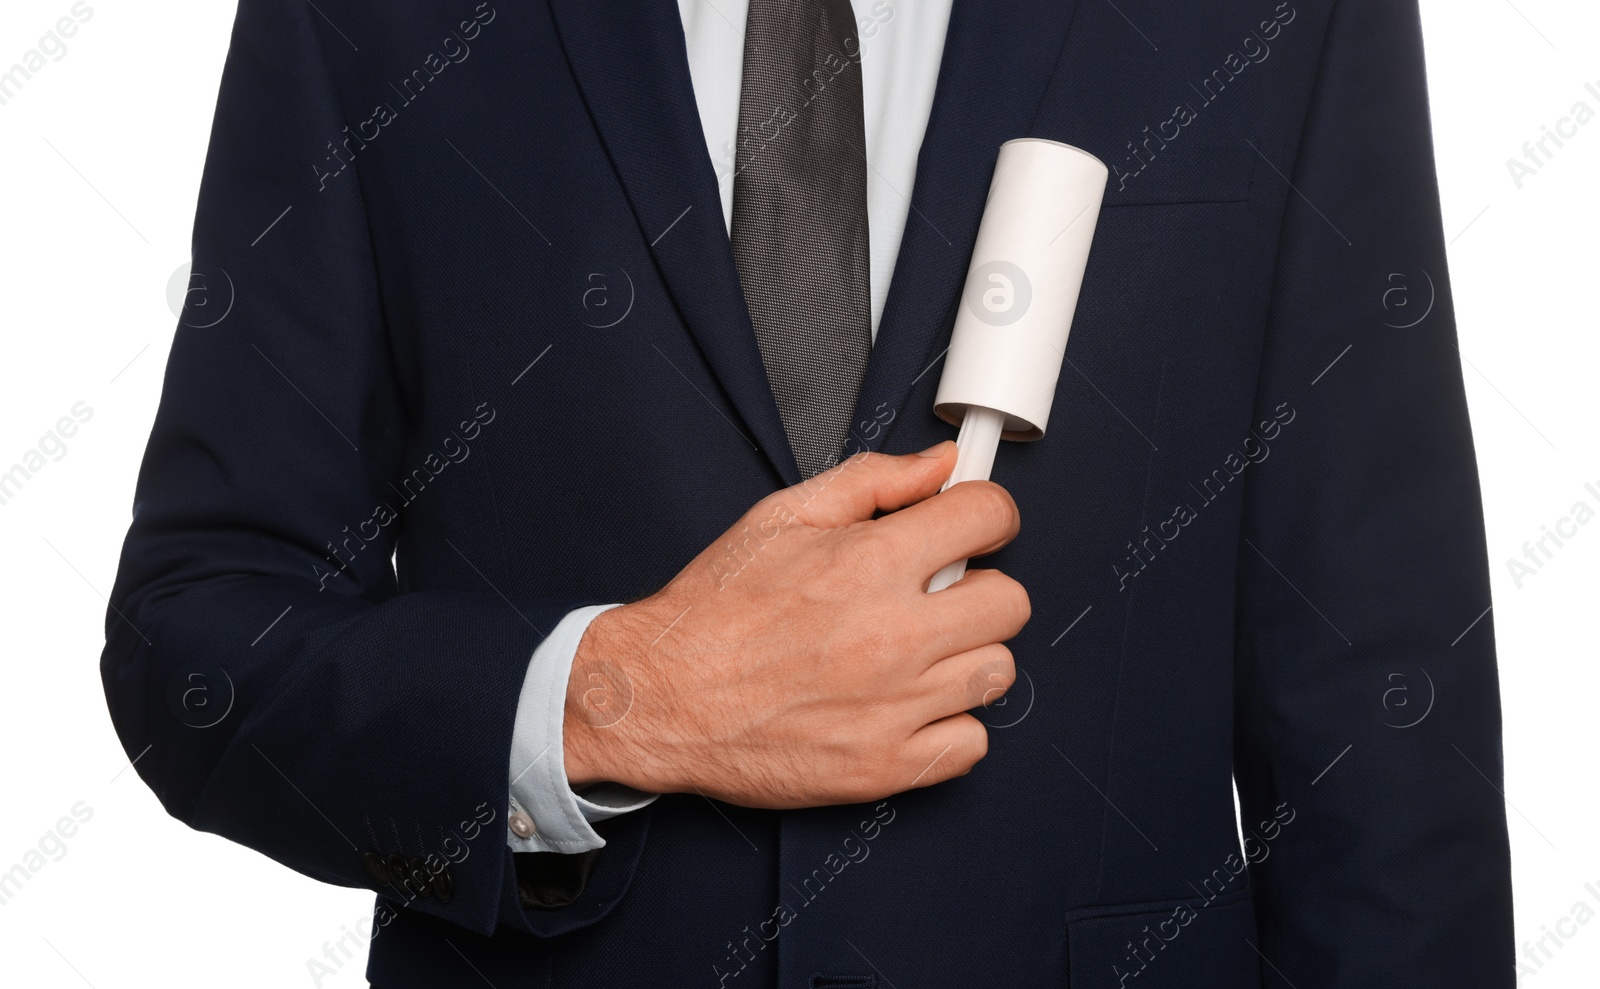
<point>999,57</point>
<point>633,70</point>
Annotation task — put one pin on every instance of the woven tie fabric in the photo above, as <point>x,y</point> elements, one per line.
<point>800,216</point>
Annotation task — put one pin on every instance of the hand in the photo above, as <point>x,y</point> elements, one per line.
<point>798,661</point>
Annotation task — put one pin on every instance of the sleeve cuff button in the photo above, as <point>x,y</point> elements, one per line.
<point>522,825</point>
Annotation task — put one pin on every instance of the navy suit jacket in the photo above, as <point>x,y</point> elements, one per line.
<point>467,349</point>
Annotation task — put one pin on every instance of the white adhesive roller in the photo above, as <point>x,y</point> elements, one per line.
<point>1016,310</point>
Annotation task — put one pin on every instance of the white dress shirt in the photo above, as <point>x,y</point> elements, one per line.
<point>902,42</point>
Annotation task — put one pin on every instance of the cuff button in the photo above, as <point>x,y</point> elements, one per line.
<point>376,868</point>
<point>420,878</point>
<point>444,885</point>
<point>399,871</point>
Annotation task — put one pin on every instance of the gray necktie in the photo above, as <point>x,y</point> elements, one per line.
<point>800,216</point>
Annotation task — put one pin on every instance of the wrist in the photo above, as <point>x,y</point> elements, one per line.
<point>599,722</point>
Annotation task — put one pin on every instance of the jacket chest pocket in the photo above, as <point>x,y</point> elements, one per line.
<point>1181,175</point>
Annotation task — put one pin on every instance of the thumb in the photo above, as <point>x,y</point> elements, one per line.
<point>869,482</point>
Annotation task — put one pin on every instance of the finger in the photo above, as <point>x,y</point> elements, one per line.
<point>976,678</point>
<point>945,749</point>
<point>973,518</point>
<point>984,608</point>
<point>867,483</point>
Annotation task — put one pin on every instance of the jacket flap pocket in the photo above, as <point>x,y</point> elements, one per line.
<point>1181,944</point>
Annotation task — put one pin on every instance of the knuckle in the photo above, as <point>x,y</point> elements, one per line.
<point>884,765</point>
<point>1007,602</point>
<point>870,777</point>
<point>1002,663</point>
<point>779,508</point>
<point>864,461</point>
<point>876,544</point>
<point>974,742</point>
<point>990,680</point>
<point>1021,601</point>
<point>994,508</point>
<point>1013,600</point>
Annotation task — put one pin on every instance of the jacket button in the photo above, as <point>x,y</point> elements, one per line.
<point>444,885</point>
<point>399,872</point>
<point>376,868</point>
<point>420,876</point>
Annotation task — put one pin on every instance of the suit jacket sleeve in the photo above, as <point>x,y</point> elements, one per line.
<point>261,663</point>
<point>1367,702</point>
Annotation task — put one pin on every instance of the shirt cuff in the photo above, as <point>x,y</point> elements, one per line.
<point>546,815</point>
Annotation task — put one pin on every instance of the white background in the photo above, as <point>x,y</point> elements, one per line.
<point>100,159</point>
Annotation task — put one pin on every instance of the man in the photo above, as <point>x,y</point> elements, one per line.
<point>542,308</point>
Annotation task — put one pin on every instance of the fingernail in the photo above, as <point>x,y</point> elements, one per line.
<point>937,450</point>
